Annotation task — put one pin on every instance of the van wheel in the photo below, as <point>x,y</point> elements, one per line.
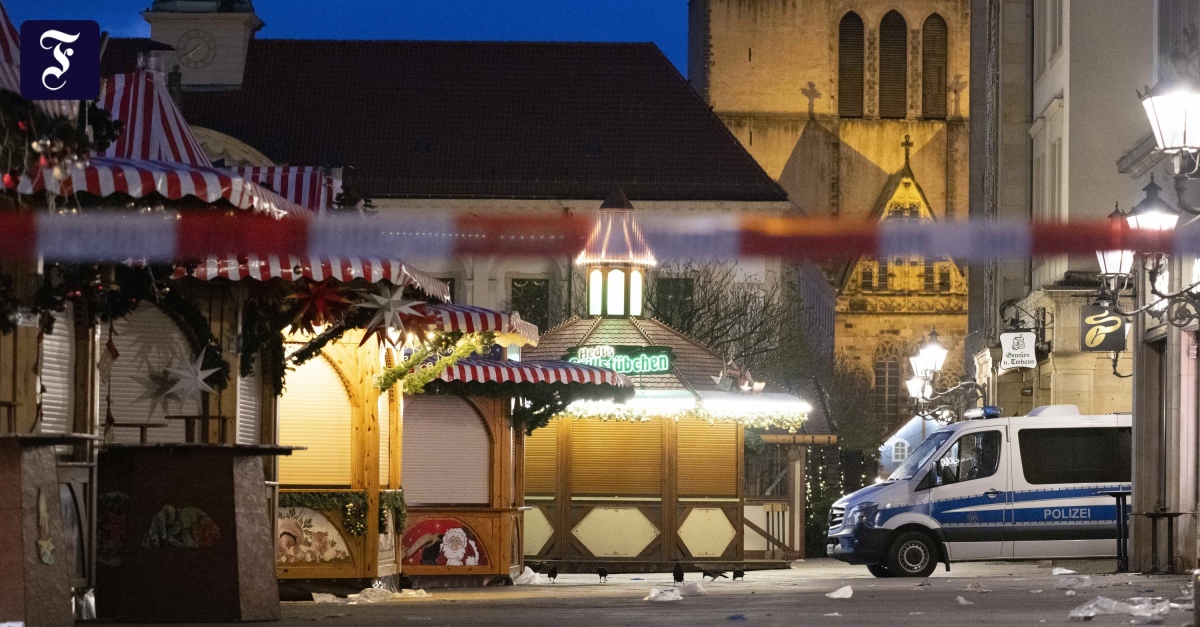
<point>912,555</point>
<point>879,570</point>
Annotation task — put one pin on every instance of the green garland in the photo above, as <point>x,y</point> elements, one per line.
<point>392,501</point>
<point>536,403</point>
<point>351,505</point>
<point>789,421</point>
<point>414,373</point>
<point>103,293</point>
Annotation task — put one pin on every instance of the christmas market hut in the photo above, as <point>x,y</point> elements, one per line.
<point>106,344</point>
<point>639,485</point>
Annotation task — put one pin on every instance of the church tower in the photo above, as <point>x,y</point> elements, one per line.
<point>210,38</point>
<point>848,104</point>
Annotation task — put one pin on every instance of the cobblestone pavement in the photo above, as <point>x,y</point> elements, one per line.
<point>995,593</point>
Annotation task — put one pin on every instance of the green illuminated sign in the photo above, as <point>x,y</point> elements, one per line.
<point>624,359</point>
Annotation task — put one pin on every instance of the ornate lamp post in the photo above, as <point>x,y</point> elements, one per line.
<point>923,385</point>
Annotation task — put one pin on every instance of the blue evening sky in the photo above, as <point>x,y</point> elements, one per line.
<point>663,22</point>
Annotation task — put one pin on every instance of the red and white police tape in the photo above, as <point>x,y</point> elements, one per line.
<point>162,237</point>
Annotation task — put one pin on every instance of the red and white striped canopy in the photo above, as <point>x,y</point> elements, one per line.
<point>481,370</point>
<point>106,176</point>
<point>292,267</point>
<point>10,68</point>
<point>154,127</point>
<point>310,187</point>
<point>475,319</point>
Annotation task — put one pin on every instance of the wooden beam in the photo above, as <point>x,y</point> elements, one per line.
<point>799,439</point>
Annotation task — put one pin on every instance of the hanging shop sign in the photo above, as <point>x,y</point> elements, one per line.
<point>1018,350</point>
<point>1101,330</point>
<point>624,359</point>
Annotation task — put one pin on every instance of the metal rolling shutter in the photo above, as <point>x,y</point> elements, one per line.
<point>933,68</point>
<point>541,460</point>
<point>385,438</point>
<point>315,412</point>
<point>146,339</point>
<point>893,66</point>
<point>58,374</point>
<point>616,458</point>
<point>850,66</point>
<point>706,458</point>
<point>249,410</point>
<point>446,452</point>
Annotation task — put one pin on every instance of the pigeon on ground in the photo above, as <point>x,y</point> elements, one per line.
<point>714,574</point>
<point>678,573</point>
<point>603,572</point>
<point>739,574</point>
<point>553,574</point>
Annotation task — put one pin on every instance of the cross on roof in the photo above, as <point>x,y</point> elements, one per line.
<point>907,144</point>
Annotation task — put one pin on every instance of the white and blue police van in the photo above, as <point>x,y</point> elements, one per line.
<point>1024,487</point>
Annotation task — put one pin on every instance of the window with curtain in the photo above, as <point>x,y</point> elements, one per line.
<point>893,66</point>
<point>850,66</point>
<point>933,68</point>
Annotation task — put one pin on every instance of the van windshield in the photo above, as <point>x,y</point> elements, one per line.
<point>919,456</point>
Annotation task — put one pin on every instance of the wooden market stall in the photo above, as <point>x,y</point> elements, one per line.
<point>636,486</point>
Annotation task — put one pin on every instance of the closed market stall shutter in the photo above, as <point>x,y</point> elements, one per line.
<point>707,458</point>
<point>616,457</point>
<point>249,409</point>
<point>315,412</point>
<point>147,341</point>
<point>446,455</point>
<point>541,460</point>
<point>58,374</point>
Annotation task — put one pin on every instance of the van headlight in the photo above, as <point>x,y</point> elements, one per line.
<point>862,513</point>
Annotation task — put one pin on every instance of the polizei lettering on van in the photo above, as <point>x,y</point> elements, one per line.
<point>1067,513</point>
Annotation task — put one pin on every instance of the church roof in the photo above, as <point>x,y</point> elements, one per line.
<point>484,120</point>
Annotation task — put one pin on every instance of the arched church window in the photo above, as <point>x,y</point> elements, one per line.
<point>899,451</point>
<point>850,66</point>
<point>889,382</point>
<point>933,68</point>
<point>893,66</point>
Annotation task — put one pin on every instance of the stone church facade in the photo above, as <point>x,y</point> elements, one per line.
<point>860,110</point>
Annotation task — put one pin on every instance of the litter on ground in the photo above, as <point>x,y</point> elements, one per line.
<point>977,587</point>
<point>845,592</point>
<point>670,594</point>
<point>527,578</point>
<point>1062,571</point>
<point>1079,582</point>
<point>1144,611</point>
<point>962,601</point>
<point>833,614</point>
<point>691,589</point>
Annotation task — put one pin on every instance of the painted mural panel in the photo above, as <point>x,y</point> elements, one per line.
<point>303,535</point>
<point>443,542</point>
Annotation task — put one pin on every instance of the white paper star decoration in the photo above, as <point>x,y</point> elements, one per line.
<point>157,386</point>
<point>190,378</point>
<point>391,311</point>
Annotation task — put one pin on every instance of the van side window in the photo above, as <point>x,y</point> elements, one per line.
<point>1083,455</point>
<point>973,456</point>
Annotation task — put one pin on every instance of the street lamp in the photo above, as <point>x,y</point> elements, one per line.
<point>1152,213</point>
<point>1173,108</point>
<point>923,388</point>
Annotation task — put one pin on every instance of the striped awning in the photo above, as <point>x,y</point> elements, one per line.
<point>310,187</point>
<point>154,127</point>
<point>104,176</point>
<point>10,68</point>
<point>481,370</point>
<point>317,268</point>
<point>475,319</point>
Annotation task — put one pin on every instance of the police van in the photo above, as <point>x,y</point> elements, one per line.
<point>1027,487</point>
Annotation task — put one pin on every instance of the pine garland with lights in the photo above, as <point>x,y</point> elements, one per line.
<point>415,372</point>
<point>392,501</point>
<point>351,506</point>
<point>789,421</point>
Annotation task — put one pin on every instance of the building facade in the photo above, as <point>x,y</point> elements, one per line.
<point>860,111</point>
<point>1061,137</point>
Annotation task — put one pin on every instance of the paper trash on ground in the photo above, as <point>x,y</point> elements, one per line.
<point>962,601</point>
<point>692,589</point>
<point>527,578</point>
<point>670,594</point>
<point>1148,611</point>
<point>1062,571</point>
<point>845,592</point>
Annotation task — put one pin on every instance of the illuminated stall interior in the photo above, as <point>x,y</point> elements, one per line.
<point>658,478</point>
